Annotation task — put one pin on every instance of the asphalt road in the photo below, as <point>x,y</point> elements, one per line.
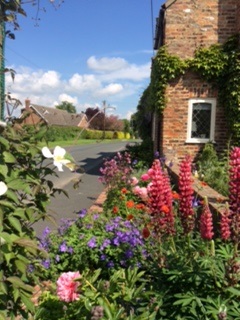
<point>90,158</point>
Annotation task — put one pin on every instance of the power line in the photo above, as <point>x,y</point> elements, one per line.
<point>23,57</point>
<point>152,25</point>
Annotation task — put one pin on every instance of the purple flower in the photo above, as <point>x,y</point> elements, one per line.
<point>82,213</point>
<point>195,203</point>
<point>30,268</point>
<point>115,241</point>
<point>134,162</point>
<point>95,216</point>
<point>109,227</point>
<point>46,263</point>
<point>65,224</point>
<point>156,154</point>
<point>92,243</point>
<point>110,264</point>
<point>129,254</point>
<point>106,243</point>
<point>70,250</point>
<point>63,247</point>
<point>57,258</point>
<point>103,257</point>
<point>46,231</point>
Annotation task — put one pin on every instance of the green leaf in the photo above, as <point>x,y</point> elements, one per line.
<point>7,204</point>
<point>21,266</point>
<point>234,291</point>
<point>4,141</point>
<point>12,195</point>
<point>3,169</point>
<point>15,223</point>
<point>8,157</point>
<point>27,302</point>
<point>9,238</point>
<point>18,283</point>
<point>3,287</point>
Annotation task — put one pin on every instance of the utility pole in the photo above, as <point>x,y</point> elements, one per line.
<point>2,72</point>
<point>104,118</point>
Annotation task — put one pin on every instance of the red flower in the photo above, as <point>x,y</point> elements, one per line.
<point>130,204</point>
<point>130,217</point>
<point>175,195</point>
<point>234,193</point>
<point>124,191</point>
<point>225,225</point>
<point>165,209</point>
<point>206,223</point>
<point>140,206</point>
<point>187,214</point>
<point>160,196</point>
<point>145,233</point>
<point>115,209</point>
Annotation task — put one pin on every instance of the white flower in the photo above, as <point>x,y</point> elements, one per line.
<point>196,174</point>
<point>58,156</point>
<point>3,188</point>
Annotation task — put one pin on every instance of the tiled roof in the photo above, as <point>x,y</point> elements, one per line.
<point>58,117</point>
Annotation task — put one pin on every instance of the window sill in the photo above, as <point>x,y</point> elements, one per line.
<point>199,141</point>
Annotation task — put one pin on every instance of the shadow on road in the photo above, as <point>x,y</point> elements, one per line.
<point>91,166</point>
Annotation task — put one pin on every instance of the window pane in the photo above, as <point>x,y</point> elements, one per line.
<point>201,120</point>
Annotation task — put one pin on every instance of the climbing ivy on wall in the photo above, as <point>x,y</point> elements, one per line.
<point>218,64</point>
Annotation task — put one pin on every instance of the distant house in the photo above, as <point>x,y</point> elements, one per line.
<point>192,115</point>
<point>36,114</point>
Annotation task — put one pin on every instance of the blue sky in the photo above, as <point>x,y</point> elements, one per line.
<point>84,52</point>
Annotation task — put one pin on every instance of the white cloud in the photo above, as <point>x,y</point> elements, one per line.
<point>109,90</point>
<point>106,64</point>
<point>65,97</point>
<point>117,82</point>
<point>81,83</point>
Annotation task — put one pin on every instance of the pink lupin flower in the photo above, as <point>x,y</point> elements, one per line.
<point>234,193</point>
<point>206,223</point>
<point>225,222</point>
<point>160,196</point>
<point>187,213</point>
<point>67,286</point>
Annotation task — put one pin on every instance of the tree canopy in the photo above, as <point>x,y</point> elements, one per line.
<point>67,106</point>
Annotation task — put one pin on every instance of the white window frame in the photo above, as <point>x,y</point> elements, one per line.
<point>191,102</point>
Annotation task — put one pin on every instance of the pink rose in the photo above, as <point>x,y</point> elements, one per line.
<point>145,177</point>
<point>67,286</point>
<point>134,181</point>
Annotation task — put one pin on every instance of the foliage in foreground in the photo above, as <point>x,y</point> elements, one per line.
<point>23,170</point>
<point>191,268</point>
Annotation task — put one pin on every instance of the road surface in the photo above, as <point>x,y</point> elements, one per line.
<point>90,158</point>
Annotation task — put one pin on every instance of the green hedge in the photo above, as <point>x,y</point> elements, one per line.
<point>57,133</point>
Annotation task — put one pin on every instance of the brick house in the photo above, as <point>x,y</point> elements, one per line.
<point>52,117</point>
<point>192,115</point>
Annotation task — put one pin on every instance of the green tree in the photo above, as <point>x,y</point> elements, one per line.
<point>67,106</point>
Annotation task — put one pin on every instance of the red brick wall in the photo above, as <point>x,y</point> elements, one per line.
<point>190,24</point>
<point>175,117</point>
<point>33,118</point>
<point>238,16</point>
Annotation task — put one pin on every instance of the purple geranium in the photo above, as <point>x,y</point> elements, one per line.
<point>92,243</point>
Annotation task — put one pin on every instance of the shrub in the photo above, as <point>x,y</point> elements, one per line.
<point>23,170</point>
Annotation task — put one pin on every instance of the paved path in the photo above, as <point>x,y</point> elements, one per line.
<point>90,158</point>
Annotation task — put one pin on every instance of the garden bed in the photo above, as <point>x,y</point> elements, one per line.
<point>216,200</point>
